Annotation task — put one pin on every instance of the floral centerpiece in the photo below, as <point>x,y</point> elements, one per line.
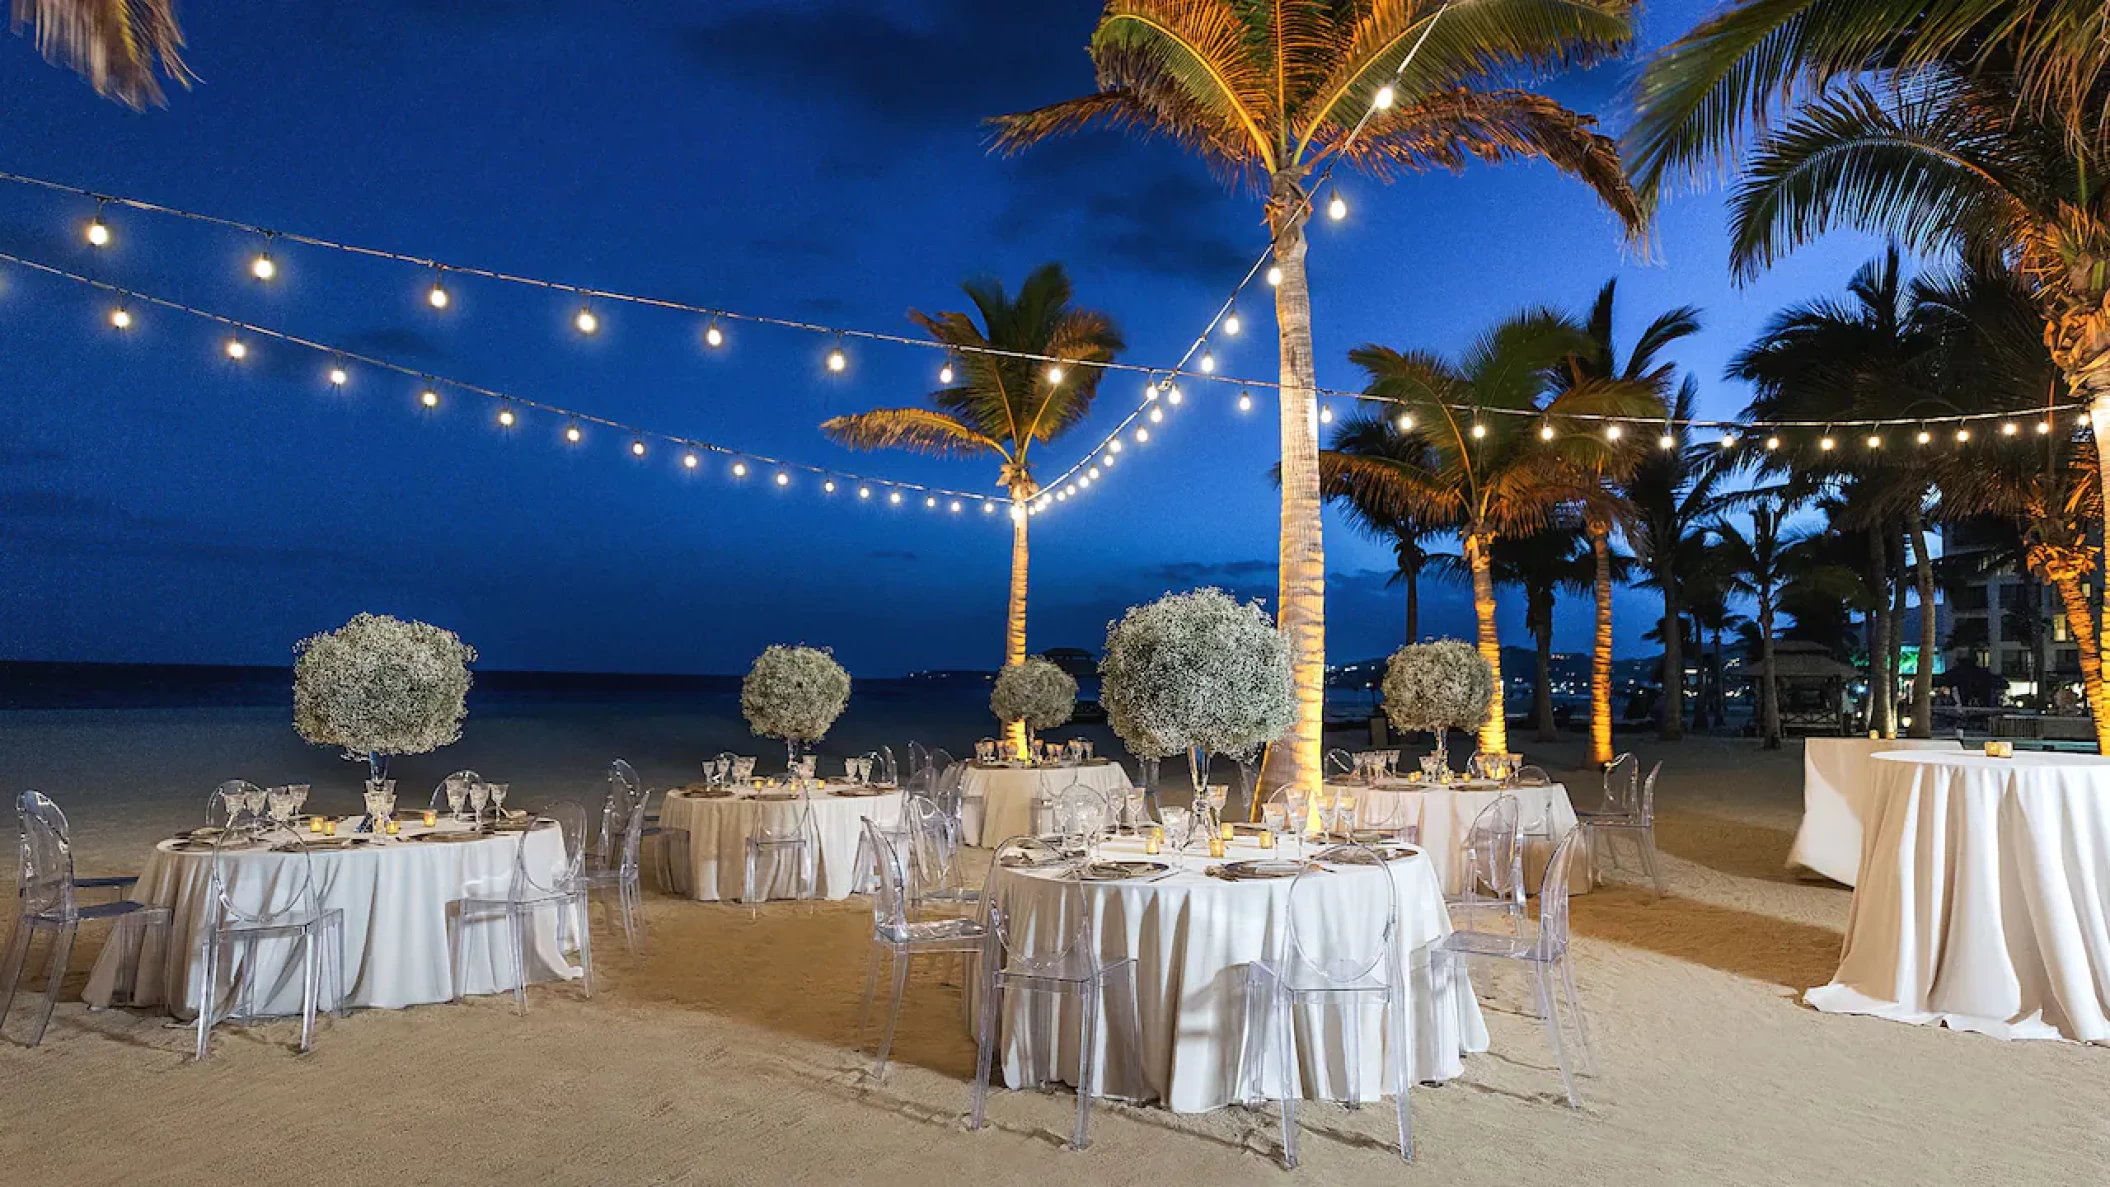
<point>794,693</point>
<point>1438,686</point>
<point>379,686</point>
<point>1035,692</point>
<point>1199,672</point>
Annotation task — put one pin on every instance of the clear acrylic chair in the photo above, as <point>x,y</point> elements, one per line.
<point>900,832</point>
<point>51,903</point>
<point>1630,811</point>
<point>612,857</point>
<point>918,759</point>
<point>1493,878</point>
<point>229,801</point>
<point>1081,814</point>
<point>933,862</point>
<point>1061,958</point>
<point>1339,765</point>
<point>890,772</point>
<point>1544,950</point>
<point>440,801</point>
<point>523,895</point>
<point>1327,960</point>
<point>275,901</point>
<point>902,938</point>
<point>776,837</point>
<point>1531,776</point>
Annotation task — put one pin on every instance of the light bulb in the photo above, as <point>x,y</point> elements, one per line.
<point>1062,496</point>
<point>572,434</point>
<point>98,231</point>
<point>945,373</point>
<point>1325,414</point>
<point>864,492</point>
<point>690,461</point>
<point>894,497</point>
<point>1114,445</point>
<point>586,321</point>
<point>236,349</point>
<point>1174,396</point>
<point>637,449</point>
<point>437,297</point>
<point>1142,435</point>
<point>739,469</point>
<point>339,377</point>
<point>2043,427</point>
<point>1245,402</point>
<point>1924,437</point>
<point>837,360</point>
<point>955,507</point>
<point>429,398</point>
<point>1613,432</point>
<point>1772,443</point>
<point>506,417</point>
<point>988,507</point>
<point>1337,209</point>
<point>1728,440</point>
<point>1383,99</point>
<point>1405,422</point>
<point>713,336</point>
<point>1479,430</point>
<point>1055,373</point>
<point>2081,421</point>
<point>1274,275</point>
<point>2008,429</point>
<point>1874,441</point>
<point>1232,325</point>
<point>1962,435</point>
<point>1092,473</point>
<point>1071,490</point>
<point>121,318</point>
<point>1208,364</point>
<point>1546,432</point>
<point>1107,460</point>
<point>930,501</point>
<point>1083,482</point>
<point>1666,441</point>
<point>783,479</point>
<point>1825,444</point>
<point>828,487</point>
<point>1150,390</point>
<point>1157,416</point>
<point>1018,513</point>
<point>261,267</point>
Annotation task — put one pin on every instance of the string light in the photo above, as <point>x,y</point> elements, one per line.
<point>586,321</point>
<point>2043,427</point>
<point>1923,437</point>
<point>506,418</point>
<point>436,296</point>
<point>1325,414</point>
<point>572,433</point>
<point>121,318</point>
<point>2008,429</point>
<point>1092,473</point>
<point>1384,97</point>
<point>1337,209</point>
<point>783,479</point>
<point>713,337</point>
<point>1055,373</point>
<point>1208,364</point>
<point>1142,436</point>
<point>1274,276</point>
<point>828,487</point>
<point>1157,415</point>
<point>429,398</point>
<point>1875,441</point>
<point>930,502</point>
<point>637,448</point>
<point>690,461</point>
<point>894,497</point>
<point>1174,395</point>
<point>1114,446</point>
<point>1668,440</point>
<point>864,492</point>
<point>1728,440</point>
<point>1406,422</point>
<point>955,507</point>
<point>739,469</point>
<point>1479,431</point>
<point>837,360</point>
<point>262,266</point>
<point>339,377</point>
<point>237,349</point>
<point>988,507</point>
<point>1546,431</point>
<point>1962,435</point>
<point>945,373</point>
<point>1825,443</point>
<point>1231,323</point>
<point>1245,401</point>
<point>1772,443</point>
<point>1107,460</point>
<point>1613,431</point>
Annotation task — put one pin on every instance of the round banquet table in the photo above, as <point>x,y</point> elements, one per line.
<point>715,867</point>
<point>996,802</point>
<point>1983,898</point>
<point>397,894</point>
<point>1192,937</point>
<point>1836,775</point>
<point>1444,815</point>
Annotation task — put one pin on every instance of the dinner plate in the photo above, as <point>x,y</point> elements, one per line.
<point>449,838</point>
<point>323,844</point>
<point>209,844</point>
<point>1122,871</point>
<point>1387,851</point>
<point>856,793</point>
<point>1264,868</point>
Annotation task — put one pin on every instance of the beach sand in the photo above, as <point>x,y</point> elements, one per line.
<point>727,1055</point>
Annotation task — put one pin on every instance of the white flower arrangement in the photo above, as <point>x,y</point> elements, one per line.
<point>1438,686</point>
<point>794,693</point>
<point>378,686</point>
<point>1197,670</point>
<point>1036,692</point>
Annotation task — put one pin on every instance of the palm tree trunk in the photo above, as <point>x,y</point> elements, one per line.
<point>1542,696</point>
<point>1301,564</point>
<point>1601,650</point>
<point>1702,702</point>
<point>1878,634</point>
<point>1015,622</point>
<point>1893,658</point>
<point>2080,619</point>
<point>1413,604</point>
<point>2093,384</point>
<point>1923,672</point>
<point>1494,736</point>
<point>1769,694</point>
<point>1672,713</point>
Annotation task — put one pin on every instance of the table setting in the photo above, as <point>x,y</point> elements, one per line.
<point>1437,806</point>
<point>718,814</point>
<point>997,794</point>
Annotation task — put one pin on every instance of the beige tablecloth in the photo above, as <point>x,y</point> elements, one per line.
<point>396,895</point>
<point>1192,937</point>
<point>1984,897</point>
<point>1446,814</point>
<point>1835,793</point>
<point>714,868</point>
<point>997,802</point>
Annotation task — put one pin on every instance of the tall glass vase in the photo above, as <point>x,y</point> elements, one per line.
<point>794,750</point>
<point>1149,769</point>
<point>1248,783</point>
<point>1198,776</point>
<point>1436,766</point>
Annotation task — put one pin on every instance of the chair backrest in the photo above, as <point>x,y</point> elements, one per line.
<point>573,825</point>
<point>1645,808</point>
<point>1081,811</point>
<point>1339,762</point>
<point>1356,949</point>
<point>769,826</point>
<point>1553,898</point>
<point>47,858</point>
<point>1529,776</point>
<point>624,785</point>
<point>890,901</point>
<point>918,759</point>
<point>460,779</point>
<point>890,773</point>
<point>1621,777</point>
<point>1063,947</point>
<point>287,895</point>
<point>948,792</point>
<point>230,800</point>
<point>1494,852</point>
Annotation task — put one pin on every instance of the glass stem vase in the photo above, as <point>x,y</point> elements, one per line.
<point>1198,775</point>
<point>1442,754</point>
<point>1149,769</point>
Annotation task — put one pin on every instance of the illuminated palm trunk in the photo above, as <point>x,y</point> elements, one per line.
<point>1601,650</point>
<point>1015,623</point>
<point>1301,574</point>
<point>2097,387</point>
<point>2080,618</point>
<point>1923,672</point>
<point>1494,736</point>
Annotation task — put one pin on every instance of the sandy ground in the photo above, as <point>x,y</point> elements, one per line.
<point>727,1054</point>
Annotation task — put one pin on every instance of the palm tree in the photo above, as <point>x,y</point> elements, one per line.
<point>1601,515</point>
<point>1276,95</point>
<point>1411,553</point>
<point>1487,447</point>
<point>1003,403</point>
<point>1672,490</point>
<point>115,46</point>
<point>1758,565</point>
<point>1543,565</point>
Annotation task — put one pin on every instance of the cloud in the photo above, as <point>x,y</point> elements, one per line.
<point>1205,572</point>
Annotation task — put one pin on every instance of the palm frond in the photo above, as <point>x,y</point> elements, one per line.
<point>117,45</point>
<point>918,429</point>
<point>1193,56</point>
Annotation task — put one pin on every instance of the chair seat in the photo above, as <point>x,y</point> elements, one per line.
<point>1491,943</point>
<point>1068,974</point>
<point>1600,816</point>
<point>121,909</point>
<point>925,931</point>
<point>260,928</point>
<point>1305,981</point>
<point>113,880</point>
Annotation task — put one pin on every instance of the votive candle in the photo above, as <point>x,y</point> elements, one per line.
<point>314,824</point>
<point>1216,846</point>
<point>1227,831</point>
<point>1153,842</point>
<point>329,828</point>
<point>431,818</point>
<point>1267,840</point>
<point>394,826</point>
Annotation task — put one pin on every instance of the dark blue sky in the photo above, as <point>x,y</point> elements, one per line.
<point>821,161</point>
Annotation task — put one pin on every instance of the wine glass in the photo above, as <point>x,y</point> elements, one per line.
<point>1132,801</point>
<point>498,797</point>
<point>1275,818</point>
<point>744,770</point>
<point>479,797</point>
<point>457,795</point>
<point>1299,802</point>
<point>299,792</point>
<point>279,801</point>
<point>1179,829</point>
<point>257,800</point>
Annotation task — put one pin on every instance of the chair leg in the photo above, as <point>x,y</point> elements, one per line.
<point>54,978</point>
<point>1286,1051</point>
<point>1582,1028</point>
<point>1652,858</point>
<point>864,1010</point>
<point>985,1041</point>
<point>1087,1061</point>
<point>310,989</point>
<point>902,960</point>
<point>208,996</point>
<point>336,955</point>
<point>516,929</point>
<point>1539,975</point>
<point>1354,1049</point>
<point>457,939</point>
<point>1403,1061</point>
<point>585,948</point>
<point>11,970</point>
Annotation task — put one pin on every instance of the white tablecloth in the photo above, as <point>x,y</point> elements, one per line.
<point>1984,897</point>
<point>1192,937</point>
<point>715,866</point>
<point>1835,794</point>
<point>1446,814</point>
<point>397,895</point>
<point>997,802</point>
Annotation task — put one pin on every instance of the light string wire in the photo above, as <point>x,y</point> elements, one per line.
<point>506,400</point>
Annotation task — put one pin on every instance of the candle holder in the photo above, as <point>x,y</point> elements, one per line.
<point>1267,839</point>
<point>1999,748</point>
<point>1153,842</point>
<point>1216,845</point>
<point>329,828</point>
<point>431,818</point>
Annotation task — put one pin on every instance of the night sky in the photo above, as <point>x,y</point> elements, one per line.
<point>817,161</point>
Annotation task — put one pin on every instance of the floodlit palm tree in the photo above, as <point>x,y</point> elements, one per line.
<point>1602,515</point>
<point>1276,95</point>
<point>115,44</point>
<point>1002,405</point>
<point>1758,566</point>
<point>1492,450</point>
<point>1543,565</point>
<point>1672,490</point>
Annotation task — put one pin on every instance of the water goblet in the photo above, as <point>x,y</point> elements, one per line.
<point>299,792</point>
<point>457,795</point>
<point>498,798</point>
<point>479,798</point>
<point>1132,802</point>
<point>279,802</point>
<point>1299,802</point>
<point>744,770</point>
<point>1084,747</point>
<point>1275,819</point>
<point>1179,829</point>
<point>257,800</point>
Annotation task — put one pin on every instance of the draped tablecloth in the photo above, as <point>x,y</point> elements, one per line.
<point>1192,938</point>
<point>715,866</point>
<point>1445,817</point>
<point>397,895</point>
<point>1984,897</point>
<point>997,801</point>
<point>1835,794</point>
